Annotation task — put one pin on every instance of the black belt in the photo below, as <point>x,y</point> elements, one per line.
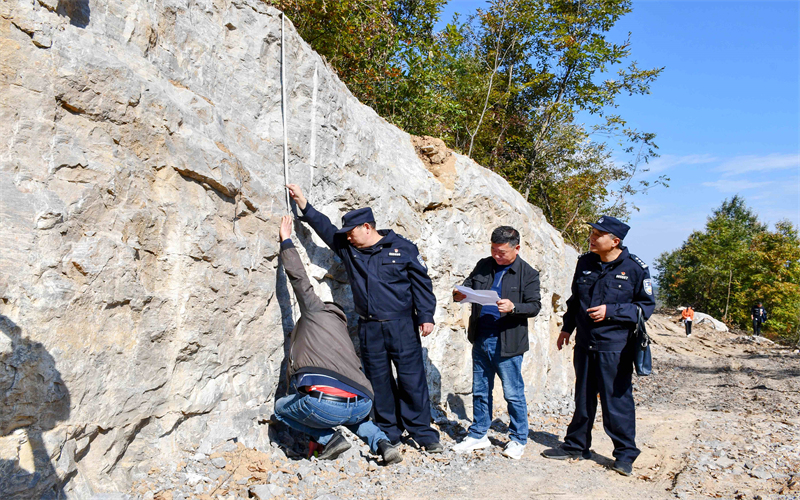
<point>331,397</point>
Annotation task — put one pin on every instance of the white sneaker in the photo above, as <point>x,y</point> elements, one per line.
<point>472,444</point>
<point>514,450</point>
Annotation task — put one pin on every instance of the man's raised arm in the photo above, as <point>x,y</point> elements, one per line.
<point>319,222</point>
<point>303,290</point>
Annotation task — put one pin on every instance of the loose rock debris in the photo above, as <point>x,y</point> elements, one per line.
<point>719,418</point>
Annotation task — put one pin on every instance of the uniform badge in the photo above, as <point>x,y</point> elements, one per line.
<point>648,286</point>
<point>421,262</point>
<point>600,220</point>
<point>621,276</point>
<point>587,272</point>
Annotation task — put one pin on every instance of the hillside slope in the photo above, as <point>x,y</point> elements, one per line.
<point>719,418</point>
<point>143,309</point>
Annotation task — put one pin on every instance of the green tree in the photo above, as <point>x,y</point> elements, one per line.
<point>503,86</point>
<point>734,263</point>
<point>364,39</point>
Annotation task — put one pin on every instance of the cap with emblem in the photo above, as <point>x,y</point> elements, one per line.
<point>355,218</point>
<point>611,225</point>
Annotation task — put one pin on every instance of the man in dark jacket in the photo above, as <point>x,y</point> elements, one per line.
<point>325,370</point>
<point>759,316</point>
<point>499,337</point>
<point>609,286</point>
<point>393,295</point>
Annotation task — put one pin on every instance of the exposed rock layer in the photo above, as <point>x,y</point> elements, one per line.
<point>143,305</point>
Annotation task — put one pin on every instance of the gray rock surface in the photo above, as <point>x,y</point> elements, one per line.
<point>702,318</point>
<point>143,309</point>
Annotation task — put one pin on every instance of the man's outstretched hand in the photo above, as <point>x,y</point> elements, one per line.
<point>285,231</point>
<point>297,195</point>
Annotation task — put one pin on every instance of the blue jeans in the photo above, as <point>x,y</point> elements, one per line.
<point>318,417</point>
<point>486,362</point>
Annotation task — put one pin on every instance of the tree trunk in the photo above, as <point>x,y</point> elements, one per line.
<point>727,301</point>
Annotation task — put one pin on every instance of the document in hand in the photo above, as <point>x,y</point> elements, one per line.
<point>482,297</point>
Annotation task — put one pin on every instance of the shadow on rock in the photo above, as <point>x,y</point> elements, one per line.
<point>287,322</point>
<point>77,11</point>
<point>34,400</point>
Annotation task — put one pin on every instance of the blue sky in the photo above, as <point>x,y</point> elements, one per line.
<point>726,111</point>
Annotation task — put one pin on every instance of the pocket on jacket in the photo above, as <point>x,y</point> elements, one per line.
<point>392,270</point>
<point>618,292</point>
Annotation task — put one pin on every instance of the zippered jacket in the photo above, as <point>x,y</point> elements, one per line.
<point>389,280</point>
<point>622,285</point>
<point>520,285</point>
<point>759,314</point>
<point>319,343</point>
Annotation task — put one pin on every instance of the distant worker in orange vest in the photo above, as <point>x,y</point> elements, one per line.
<point>688,316</point>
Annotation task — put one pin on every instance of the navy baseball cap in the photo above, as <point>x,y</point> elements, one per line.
<point>611,225</point>
<point>355,218</point>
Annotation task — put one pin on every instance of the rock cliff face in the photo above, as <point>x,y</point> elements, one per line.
<point>143,308</point>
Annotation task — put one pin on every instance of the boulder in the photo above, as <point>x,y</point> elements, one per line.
<point>143,309</point>
<point>702,318</point>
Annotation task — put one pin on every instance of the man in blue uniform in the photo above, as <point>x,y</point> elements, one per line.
<point>609,285</point>
<point>759,316</point>
<point>393,295</point>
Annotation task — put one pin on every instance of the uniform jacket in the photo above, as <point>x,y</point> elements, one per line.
<point>621,287</point>
<point>759,314</point>
<point>389,280</point>
<point>319,342</point>
<point>520,285</point>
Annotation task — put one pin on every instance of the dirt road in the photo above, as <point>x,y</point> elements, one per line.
<point>719,418</point>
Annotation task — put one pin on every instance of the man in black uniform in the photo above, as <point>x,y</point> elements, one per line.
<point>759,316</point>
<point>608,287</point>
<point>393,295</point>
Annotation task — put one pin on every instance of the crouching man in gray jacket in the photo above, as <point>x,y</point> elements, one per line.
<point>325,370</point>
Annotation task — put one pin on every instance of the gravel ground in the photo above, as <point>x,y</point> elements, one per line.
<point>719,418</point>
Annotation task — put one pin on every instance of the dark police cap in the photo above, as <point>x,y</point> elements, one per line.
<point>355,218</point>
<point>611,225</point>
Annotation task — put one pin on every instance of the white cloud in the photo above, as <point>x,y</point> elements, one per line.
<point>752,163</point>
<point>732,186</point>
<point>666,162</point>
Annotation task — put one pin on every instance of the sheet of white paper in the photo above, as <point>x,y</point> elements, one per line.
<point>482,297</point>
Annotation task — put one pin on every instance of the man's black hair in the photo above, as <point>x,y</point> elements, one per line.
<point>506,234</point>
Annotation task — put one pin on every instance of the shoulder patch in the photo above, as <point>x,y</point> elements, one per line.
<point>421,261</point>
<point>639,261</point>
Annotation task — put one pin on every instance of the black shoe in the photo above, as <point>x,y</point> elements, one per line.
<point>562,454</point>
<point>390,454</point>
<point>624,468</point>
<point>335,447</point>
<point>434,447</point>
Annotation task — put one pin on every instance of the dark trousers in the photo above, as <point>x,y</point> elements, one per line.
<point>607,373</point>
<point>403,403</point>
<point>688,327</point>
<point>756,327</point>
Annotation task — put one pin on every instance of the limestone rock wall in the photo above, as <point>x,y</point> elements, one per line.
<point>143,309</point>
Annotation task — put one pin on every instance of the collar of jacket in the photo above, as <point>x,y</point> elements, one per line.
<point>624,255</point>
<point>389,237</point>
<point>513,268</point>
